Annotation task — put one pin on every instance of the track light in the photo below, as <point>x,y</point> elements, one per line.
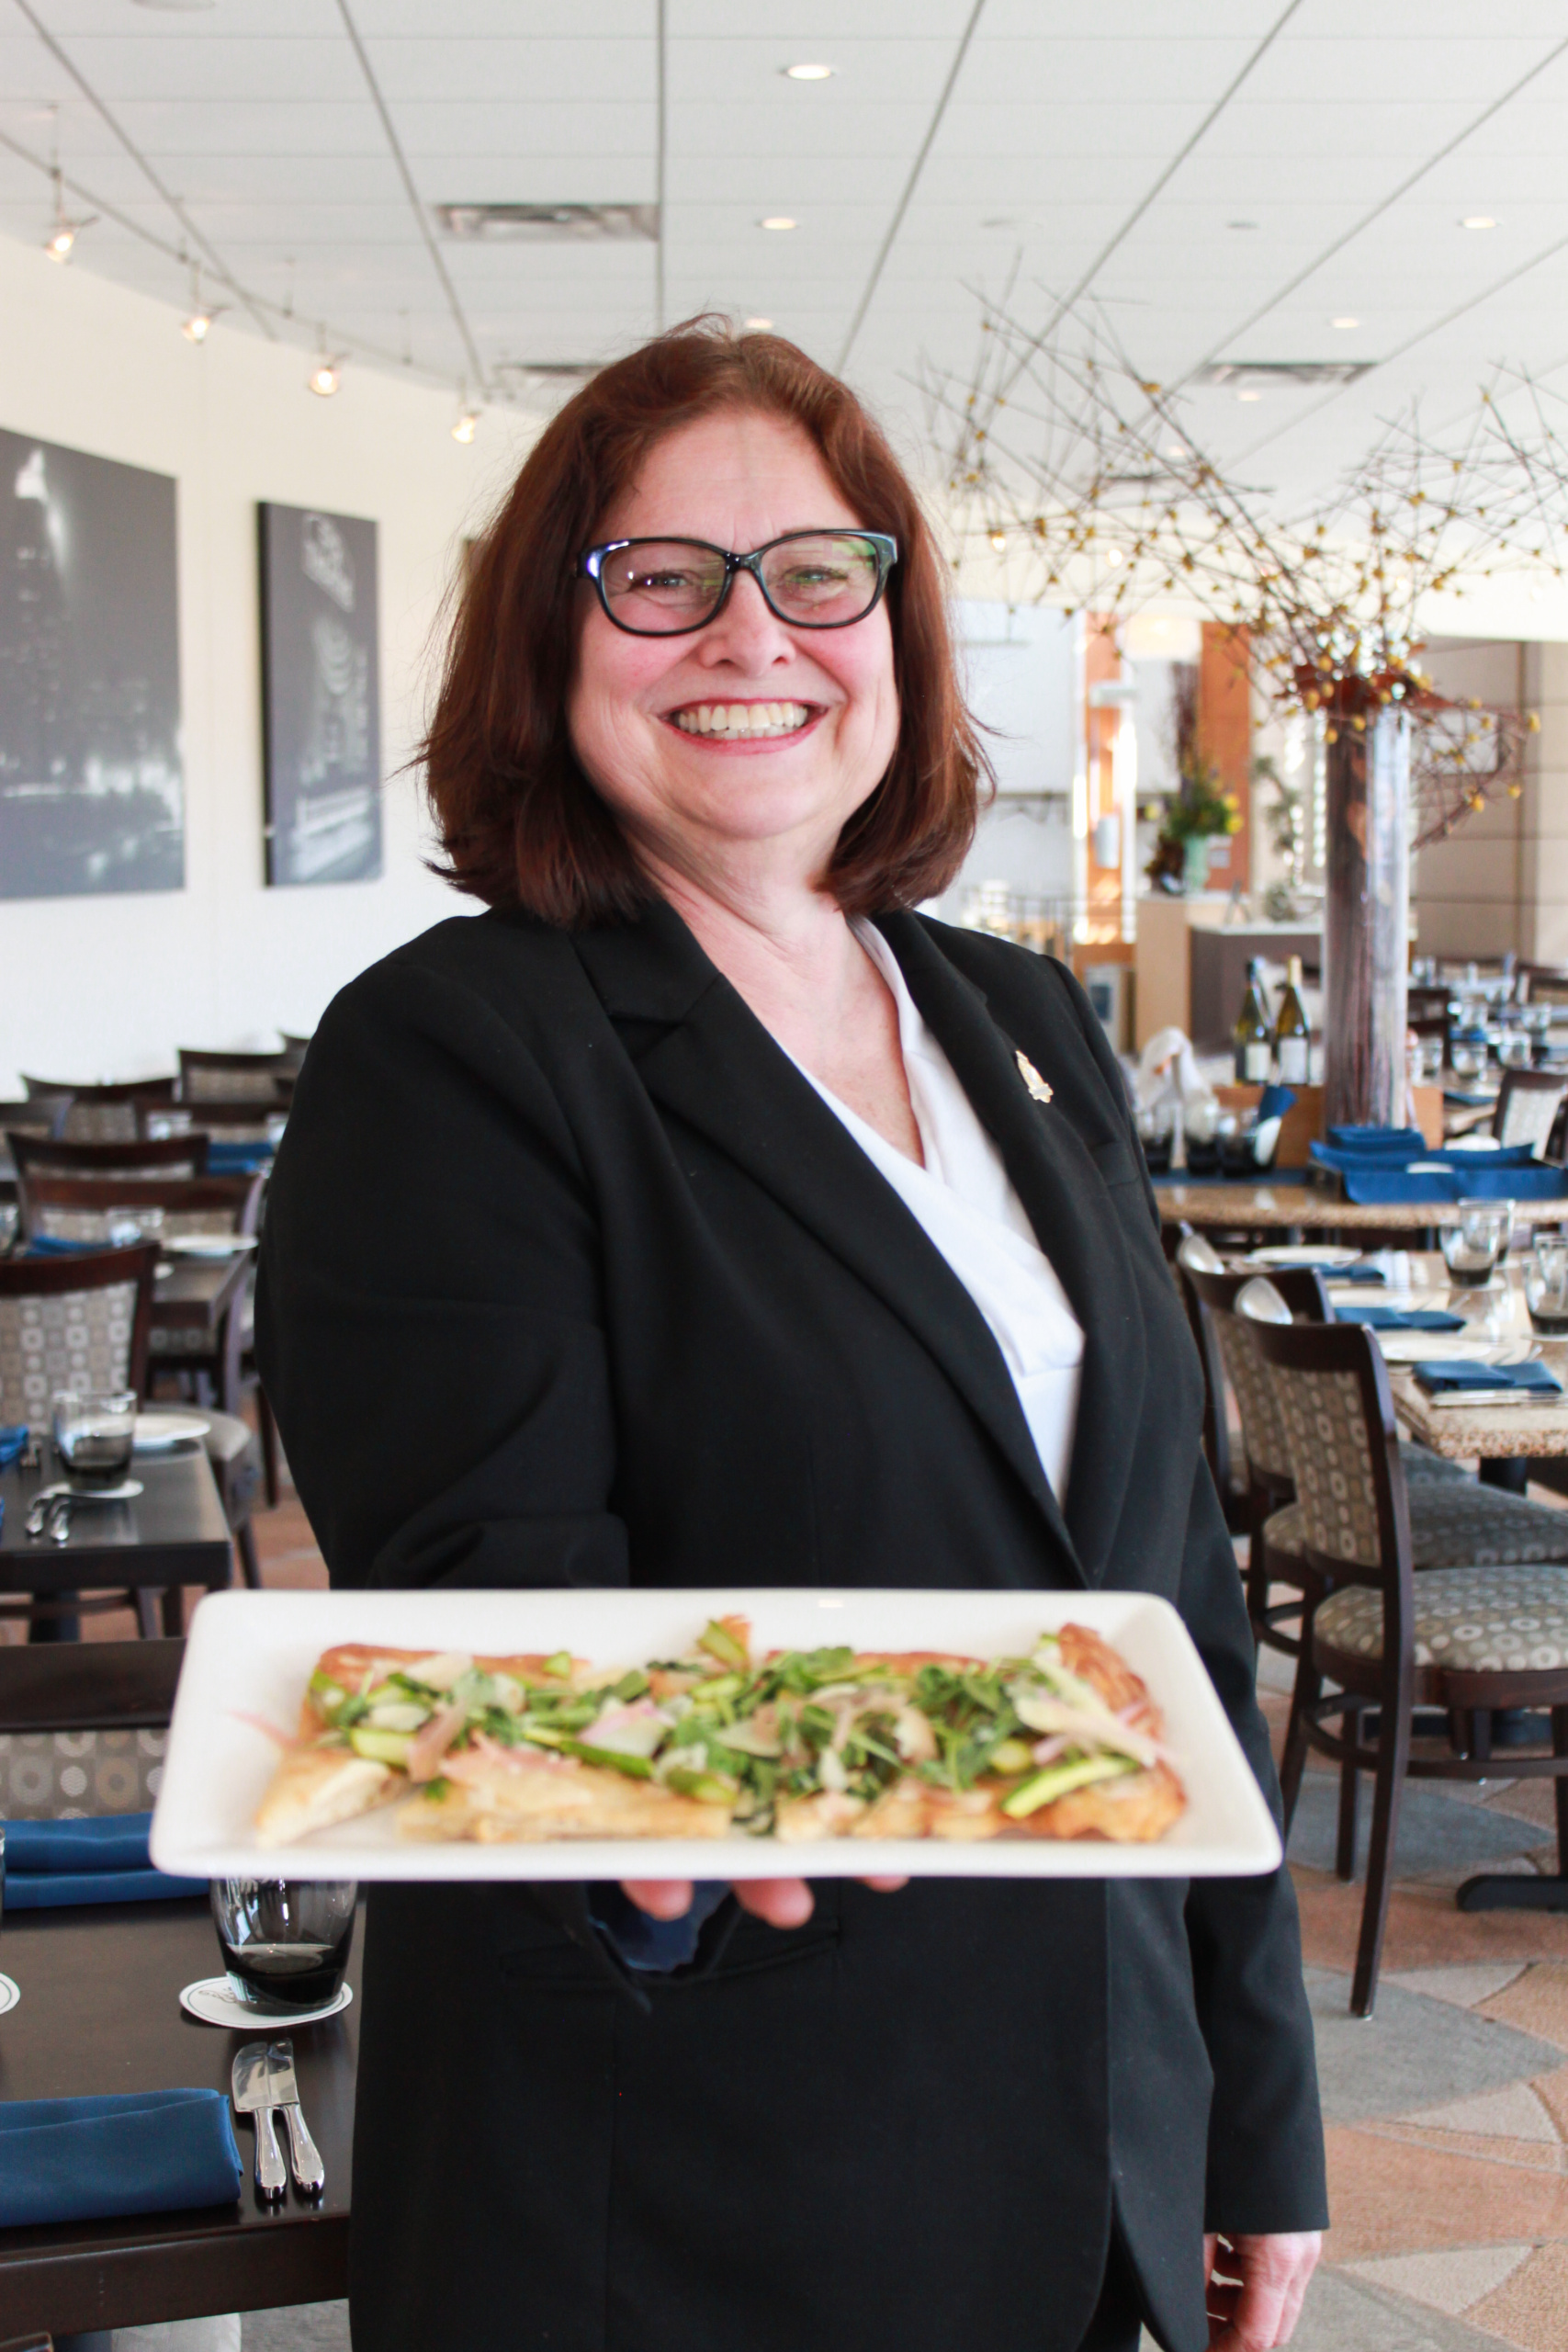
<point>468,424</point>
<point>196,328</point>
<point>62,238</point>
<point>323,378</point>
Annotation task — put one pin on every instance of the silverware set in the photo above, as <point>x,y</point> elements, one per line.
<point>50,1511</point>
<point>263,2081</point>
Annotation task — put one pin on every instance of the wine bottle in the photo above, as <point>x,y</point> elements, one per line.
<point>1293,1038</point>
<point>1253,1034</point>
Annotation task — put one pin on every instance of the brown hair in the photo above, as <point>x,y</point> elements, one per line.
<point>519,821</point>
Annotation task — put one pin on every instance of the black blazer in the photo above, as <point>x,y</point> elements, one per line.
<point>570,1277</point>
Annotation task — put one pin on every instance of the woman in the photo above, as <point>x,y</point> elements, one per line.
<point>698,1218</point>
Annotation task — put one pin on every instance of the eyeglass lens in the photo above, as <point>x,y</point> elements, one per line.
<point>660,586</point>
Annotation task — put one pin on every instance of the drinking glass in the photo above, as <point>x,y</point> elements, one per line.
<point>94,1433</point>
<point>1202,1123</point>
<point>1513,1050</point>
<point>1546,1288</point>
<point>1156,1125</point>
<point>1467,1061</point>
<point>1475,1247</point>
<point>285,1942</point>
<point>124,1227</point>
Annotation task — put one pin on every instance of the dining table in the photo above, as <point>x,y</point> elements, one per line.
<point>172,1534</point>
<point>195,1293</point>
<point>1292,1211</point>
<point>99,2013</point>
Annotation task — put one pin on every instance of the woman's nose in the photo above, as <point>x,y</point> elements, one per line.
<point>748,633</point>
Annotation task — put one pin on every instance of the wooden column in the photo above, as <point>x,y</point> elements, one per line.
<point>1365,919</point>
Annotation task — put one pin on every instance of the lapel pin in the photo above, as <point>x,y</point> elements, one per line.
<point>1033,1079</point>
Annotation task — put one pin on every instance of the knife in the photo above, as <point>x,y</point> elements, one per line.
<point>254,2096</point>
<point>304,2156</point>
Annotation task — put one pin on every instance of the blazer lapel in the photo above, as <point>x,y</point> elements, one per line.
<point>1075,1223</point>
<point>704,1055</point>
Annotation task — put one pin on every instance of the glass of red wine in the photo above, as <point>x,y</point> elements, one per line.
<point>285,1942</point>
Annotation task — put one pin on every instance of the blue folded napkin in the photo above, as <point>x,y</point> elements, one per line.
<point>13,1444</point>
<point>1357,1274</point>
<point>1444,1378</point>
<point>50,1864</point>
<point>238,1158</point>
<point>1402,1318</point>
<point>1394,1143</point>
<point>50,1245</point>
<point>139,2151</point>
<point>1274,1101</point>
<point>1475,1179</point>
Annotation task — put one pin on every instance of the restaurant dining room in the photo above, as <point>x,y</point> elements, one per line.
<point>784,1064</point>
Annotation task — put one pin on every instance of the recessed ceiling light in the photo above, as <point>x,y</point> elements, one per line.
<point>809,73</point>
<point>999,540</point>
<point>1478,221</point>
<point>758,326</point>
<point>1344,325</point>
<point>1246,393</point>
<point>1113,557</point>
<point>777,221</point>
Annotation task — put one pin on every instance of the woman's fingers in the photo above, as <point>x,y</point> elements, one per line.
<point>782,1902</point>
<point>661,1898</point>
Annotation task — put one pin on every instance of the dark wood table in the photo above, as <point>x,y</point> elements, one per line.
<point>99,2013</point>
<point>195,1293</point>
<point>174,1534</point>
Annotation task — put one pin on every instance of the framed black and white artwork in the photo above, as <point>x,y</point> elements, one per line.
<point>92,786</point>
<point>320,697</point>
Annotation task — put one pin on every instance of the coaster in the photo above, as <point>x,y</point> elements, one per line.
<point>10,1994</point>
<point>212,2003</point>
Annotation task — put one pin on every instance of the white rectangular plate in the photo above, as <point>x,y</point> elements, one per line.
<point>251,1654</point>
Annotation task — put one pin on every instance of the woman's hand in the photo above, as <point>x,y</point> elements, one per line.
<point>1260,2309</point>
<point>782,1902</point>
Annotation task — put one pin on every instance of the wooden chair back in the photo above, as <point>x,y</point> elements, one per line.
<point>72,1207</point>
<point>1332,1391</point>
<point>232,1077</point>
<point>173,1156</point>
<point>84,1317</point>
<point>1262,1433</point>
<point>1527,1103</point>
<point>103,1113</point>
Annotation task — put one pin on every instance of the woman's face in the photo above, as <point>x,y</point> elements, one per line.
<point>692,801</point>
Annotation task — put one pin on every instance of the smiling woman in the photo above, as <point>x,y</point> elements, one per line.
<point>704,1216</point>
<point>632,457</point>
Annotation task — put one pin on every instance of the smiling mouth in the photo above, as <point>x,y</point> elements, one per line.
<point>742,721</point>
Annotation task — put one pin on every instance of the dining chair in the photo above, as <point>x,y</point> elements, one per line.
<point>1468,1638</point>
<point>1185,1247</point>
<point>76,1322</point>
<point>293,1049</point>
<point>171,1156</point>
<point>103,1113</point>
<point>1231,1357</point>
<point>85,1726</point>
<point>232,1078</point>
<point>1528,1102</point>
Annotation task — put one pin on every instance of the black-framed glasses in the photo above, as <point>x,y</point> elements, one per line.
<point>809,579</point>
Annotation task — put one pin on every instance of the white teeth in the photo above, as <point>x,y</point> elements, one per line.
<point>733,719</point>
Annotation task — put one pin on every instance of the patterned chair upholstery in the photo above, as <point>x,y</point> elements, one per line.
<point>1497,1620</point>
<point>1466,1637</point>
<point>1457,1523</point>
<point>64,1775</point>
<point>100,1122</point>
<point>63,1339</point>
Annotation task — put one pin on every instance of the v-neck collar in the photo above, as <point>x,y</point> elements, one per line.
<point>704,1055</point>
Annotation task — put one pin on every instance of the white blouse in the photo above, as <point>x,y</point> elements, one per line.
<point>964,1199</point>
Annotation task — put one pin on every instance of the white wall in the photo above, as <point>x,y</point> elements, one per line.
<point>110,986</point>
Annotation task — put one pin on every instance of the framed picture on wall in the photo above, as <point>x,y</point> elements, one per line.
<point>321,695</point>
<point>92,786</point>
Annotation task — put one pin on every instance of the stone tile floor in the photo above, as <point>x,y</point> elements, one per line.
<point>1446,2111</point>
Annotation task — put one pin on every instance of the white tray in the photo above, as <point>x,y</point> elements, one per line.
<point>252,1653</point>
